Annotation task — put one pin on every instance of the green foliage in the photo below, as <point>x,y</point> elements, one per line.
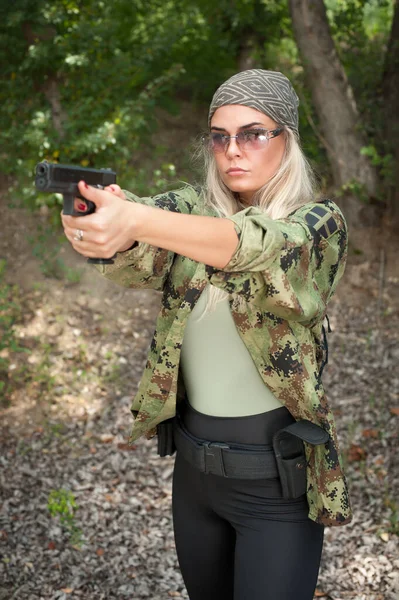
<point>61,503</point>
<point>353,188</point>
<point>393,518</point>
<point>113,373</point>
<point>361,30</point>
<point>160,180</point>
<point>46,246</point>
<point>41,375</point>
<point>82,81</point>
<point>38,377</point>
<point>10,313</point>
<point>383,162</point>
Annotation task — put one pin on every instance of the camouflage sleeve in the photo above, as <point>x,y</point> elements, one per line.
<point>289,267</point>
<point>146,266</point>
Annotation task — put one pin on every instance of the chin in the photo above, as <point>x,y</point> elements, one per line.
<point>243,190</point>
<point>239,187</point>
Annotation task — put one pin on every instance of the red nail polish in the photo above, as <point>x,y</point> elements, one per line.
<point>82,206</point>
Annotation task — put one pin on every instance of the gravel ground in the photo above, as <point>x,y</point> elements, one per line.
<point>66,428</point>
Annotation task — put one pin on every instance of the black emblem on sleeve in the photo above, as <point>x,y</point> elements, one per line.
<point>322,221</point>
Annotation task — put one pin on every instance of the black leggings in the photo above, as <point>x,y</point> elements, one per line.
<point>239,539</point>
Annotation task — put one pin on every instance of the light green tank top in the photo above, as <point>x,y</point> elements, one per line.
<point>220,376</point>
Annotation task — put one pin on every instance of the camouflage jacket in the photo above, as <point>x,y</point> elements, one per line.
<point>280,278</point>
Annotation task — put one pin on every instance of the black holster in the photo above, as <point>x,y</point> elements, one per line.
<point>290,455</point>
<point>166,445</point>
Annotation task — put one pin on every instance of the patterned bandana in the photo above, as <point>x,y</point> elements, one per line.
<point>269,92</point>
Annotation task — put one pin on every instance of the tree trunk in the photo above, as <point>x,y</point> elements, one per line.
<point>51,86</point>
<point>251,38</point>
<point>52,92</point>
<point>332,96</point>
<point>390,91</point>
<point>246,52</point>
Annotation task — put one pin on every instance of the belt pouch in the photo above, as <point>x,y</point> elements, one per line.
<point>166,445</point>
<point>290,455</point>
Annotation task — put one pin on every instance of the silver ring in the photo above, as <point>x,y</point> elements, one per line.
<point>78,235</point>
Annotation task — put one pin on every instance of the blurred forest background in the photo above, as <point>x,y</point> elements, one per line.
<point>126,84</point>
<point>86,83</point>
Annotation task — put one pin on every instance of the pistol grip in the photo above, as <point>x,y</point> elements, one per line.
<point>69,209</point>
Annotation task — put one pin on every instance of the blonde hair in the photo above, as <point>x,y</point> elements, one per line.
<point>292,186</point>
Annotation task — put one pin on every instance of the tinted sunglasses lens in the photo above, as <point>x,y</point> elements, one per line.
<point>252,140</point>
<point>217,142</point>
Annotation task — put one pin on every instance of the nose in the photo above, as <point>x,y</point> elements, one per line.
<point>233,149</point>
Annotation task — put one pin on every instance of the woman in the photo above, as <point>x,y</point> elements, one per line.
<point>239,345</point>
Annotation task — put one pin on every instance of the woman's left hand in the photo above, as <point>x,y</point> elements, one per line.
<point>108,230</point>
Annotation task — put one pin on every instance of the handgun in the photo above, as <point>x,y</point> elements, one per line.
<point>64,179</point>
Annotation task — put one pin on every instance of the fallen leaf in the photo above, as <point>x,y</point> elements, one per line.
<point>384,536</point>
<point>122,446</point>
<point>320,594</point>
<point>100,551</point>
<point>356,453</point>
<point>395,411</point>
<point>51,546</point>
<point>371,433</point>
<point>67,590</point>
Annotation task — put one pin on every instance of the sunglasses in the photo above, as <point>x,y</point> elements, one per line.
<point>249,139</point>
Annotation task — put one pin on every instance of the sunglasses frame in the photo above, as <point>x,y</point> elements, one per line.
<point>270,133</point>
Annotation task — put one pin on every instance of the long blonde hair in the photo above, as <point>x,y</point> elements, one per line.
<point>292,186</point>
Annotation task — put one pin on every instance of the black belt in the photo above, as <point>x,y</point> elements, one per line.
<point>218,458</point>
<point>285,459</point>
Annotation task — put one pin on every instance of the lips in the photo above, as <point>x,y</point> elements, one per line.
<point>235,170</point>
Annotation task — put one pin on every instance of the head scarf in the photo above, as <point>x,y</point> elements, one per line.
<point>269,92</point>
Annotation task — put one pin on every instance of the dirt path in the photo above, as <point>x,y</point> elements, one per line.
<point>65,425</point>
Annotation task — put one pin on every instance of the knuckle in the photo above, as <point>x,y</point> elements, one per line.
<point>100,226</point>
<point>101,240</point>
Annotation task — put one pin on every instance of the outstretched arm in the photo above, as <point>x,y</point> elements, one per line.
<point>117,224</point>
